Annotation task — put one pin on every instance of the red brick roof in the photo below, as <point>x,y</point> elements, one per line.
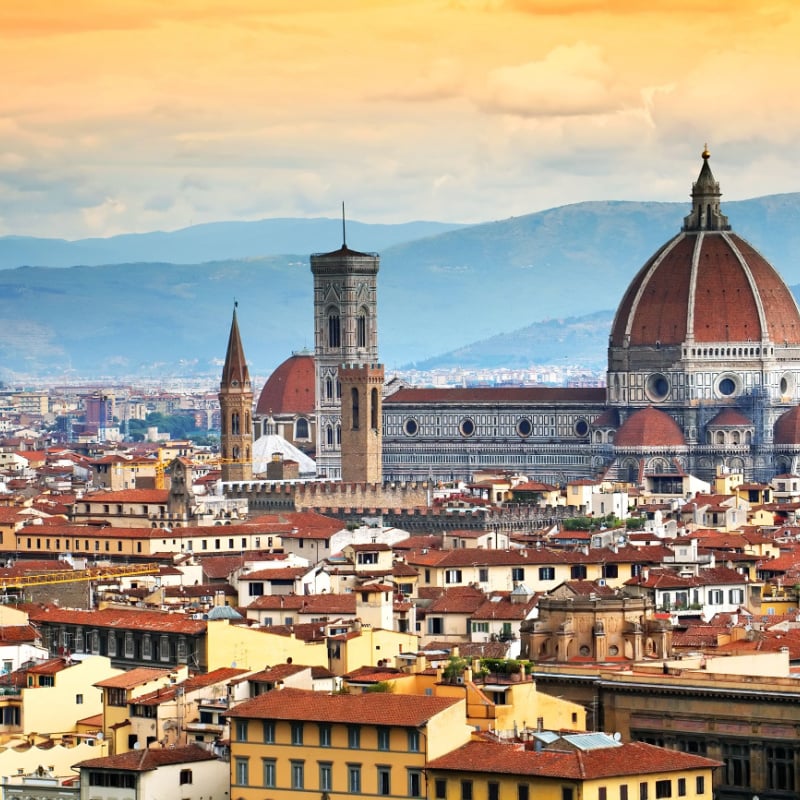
<point>123,619</point>
<point>634,758</point>
<point>290,388</point>
<point>649,427</point>
<point>731,418</point>
<point>148,759</point>
<point>133,678</point>
<point>299,704</point>
<point>491,396</point>
<point>787,427</point>
<point>728,277</point>
<point>152,496</point>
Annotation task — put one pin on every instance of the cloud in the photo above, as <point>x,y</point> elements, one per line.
<point>570,80</point>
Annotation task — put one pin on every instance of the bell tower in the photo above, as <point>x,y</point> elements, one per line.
<point>362,413</point>
<point>236,407</point>
<point>345,332</point>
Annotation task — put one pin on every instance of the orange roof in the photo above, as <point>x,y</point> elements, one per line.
<point>649,427</point>
<point>299,704</point>
<point>633,758</point>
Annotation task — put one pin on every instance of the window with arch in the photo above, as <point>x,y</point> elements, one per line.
<point>373,408</point>
<point>329,388</point>
<point>329,435</point>
<point>235,423</point>
<point>334,328</point>
<point>338,435</point>
<point>247,423</point>
<point>235,453</point>
<point>361,329</point>
<point>354,407</point>
<point>301,430</point>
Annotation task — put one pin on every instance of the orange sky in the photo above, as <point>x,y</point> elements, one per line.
<point>136,115</point>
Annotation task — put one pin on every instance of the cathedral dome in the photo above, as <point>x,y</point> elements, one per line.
<point>787,427</point>
<point>290,389</point>
<point>706,285</point>
<point>649,427</point>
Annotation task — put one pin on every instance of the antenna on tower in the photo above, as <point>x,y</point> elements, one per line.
<point>344,229</point>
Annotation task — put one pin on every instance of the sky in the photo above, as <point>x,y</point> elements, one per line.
<point>139,115</point>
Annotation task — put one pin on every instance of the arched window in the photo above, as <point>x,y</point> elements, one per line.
<point>338,435</point>
<point>235,453</point>
<point>334,329</point>
<point>329,435</point>
<point>354,407</point>
<point>361,329</point>
<point>247,422</point>
<point>373,408</point>
<point>301,429</point>
<point>329,388</point>
<point>235,423</point>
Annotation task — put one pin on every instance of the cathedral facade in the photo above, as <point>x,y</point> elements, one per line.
<point>703,372</point>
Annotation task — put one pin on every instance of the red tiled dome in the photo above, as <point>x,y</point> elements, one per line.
<point>730,418</point>
<point>715,287</point>
<point>787,427</point>
<point>649,427</point>
<point>290,389</point>
<point>706,285</point>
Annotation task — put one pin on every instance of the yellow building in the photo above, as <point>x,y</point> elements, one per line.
<point>577,767</point>
<point>372,745</point>
<point>120,694</point>
<point>57,693</point>
<point>493,701</point>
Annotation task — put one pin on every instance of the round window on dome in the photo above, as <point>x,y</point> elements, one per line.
<point>411,427</point>
<point>524,427</point>
<point>581,427</point>
<point>727,385</point>
<point>657,386</point>
<point>787,384</point>
<point>467,427</point>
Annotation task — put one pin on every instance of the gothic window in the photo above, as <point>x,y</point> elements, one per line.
<point>235,423</point>
<point>361,330</point>
<point>329,435</point>
<point>334,329</point>
<point>338,435</point>
<point>329,388</point>
<point>301,429</point>
<point>373,423</point>
<point>235,453</point>
<point>354,407</point>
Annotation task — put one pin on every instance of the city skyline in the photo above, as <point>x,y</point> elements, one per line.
<point>134,117</point>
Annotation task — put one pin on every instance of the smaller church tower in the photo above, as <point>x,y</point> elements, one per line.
<point>362,412</point>
<point>236,407</point>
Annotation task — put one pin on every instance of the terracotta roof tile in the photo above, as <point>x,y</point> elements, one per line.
<point>298,704</point>
<point>649,427</point>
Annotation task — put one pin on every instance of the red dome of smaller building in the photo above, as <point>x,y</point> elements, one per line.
<point>787,427</point>
<point>730,418</point>
<point>290,389</point>
<point>649,427</point>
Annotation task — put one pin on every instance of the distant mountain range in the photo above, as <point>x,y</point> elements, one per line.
<point>515,292</point>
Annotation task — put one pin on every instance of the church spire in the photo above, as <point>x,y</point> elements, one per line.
<point>706,214</point>
<point>236,411</point>
<point>235,371</point>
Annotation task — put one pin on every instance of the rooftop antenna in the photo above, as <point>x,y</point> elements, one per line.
<point>344,229</point>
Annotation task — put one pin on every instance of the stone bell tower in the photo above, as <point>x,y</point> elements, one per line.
<point>345,332</point>
<point>236,407</point>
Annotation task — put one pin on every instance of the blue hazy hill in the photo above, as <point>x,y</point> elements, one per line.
<point>512,292</point>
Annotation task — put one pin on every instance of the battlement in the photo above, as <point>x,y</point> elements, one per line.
<point>307,495</point>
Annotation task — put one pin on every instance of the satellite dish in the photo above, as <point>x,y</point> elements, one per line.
<point>100,736</point>
<point>136,745</point>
